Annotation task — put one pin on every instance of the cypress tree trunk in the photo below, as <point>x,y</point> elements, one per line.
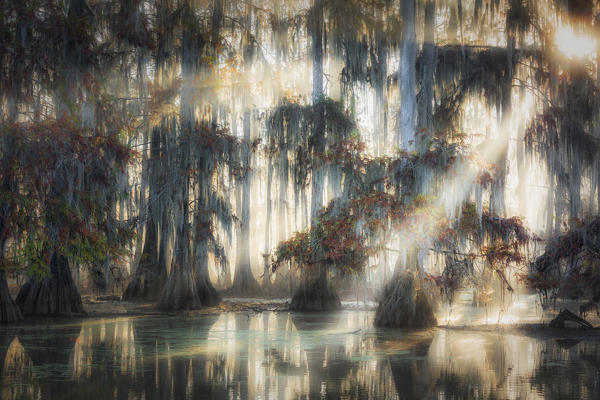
<point>206,292</point>
<point>404,302</point>
<point>188,285</point>
<point>180,290</point>
<point>267,268</point>
<point>408,59</point>
<point>243,281</point>
<point>315,294</point>
<point>283,191</point>
<point>55,294</point>
<point>379,61</point>
<point>318,137</point>
<point>425,110</point>
<point>9,311</point>
<point>151,273</point>
<point>148,280</point>
<point>497,201</point>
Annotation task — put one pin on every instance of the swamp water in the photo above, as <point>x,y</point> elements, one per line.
<point>284,355</point>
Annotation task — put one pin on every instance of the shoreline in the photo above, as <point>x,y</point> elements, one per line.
<point>98,309</point>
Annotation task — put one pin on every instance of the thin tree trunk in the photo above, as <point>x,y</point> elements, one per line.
<point>243,281</point>
<point>266,254</point>
<point>318,172</point>
<point>425,116</point>
<point>408,58</point>
<point>205,290</point>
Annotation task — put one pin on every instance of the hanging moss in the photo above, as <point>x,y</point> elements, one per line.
<point>569,264</point>
<point>463,70</point>
<point>493,242</point>
<point>561,136</point>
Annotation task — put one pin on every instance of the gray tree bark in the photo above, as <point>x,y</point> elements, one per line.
<point>408,58</point>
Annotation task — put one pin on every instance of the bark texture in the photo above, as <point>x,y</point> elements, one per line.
<point>187,291</point>
<point>55,294</point>
<point>404,304</point>
<point>150,274</point>
<point>9,311</point>
<point>316,295</point>
<point>244,282</point>
<point>408,57</point>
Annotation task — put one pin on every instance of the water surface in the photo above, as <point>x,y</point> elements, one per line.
<point>283,355</point>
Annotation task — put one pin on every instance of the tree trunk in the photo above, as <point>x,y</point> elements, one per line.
<point>207,293</point>
<point>55,294</point>
<point>148,280</point>
<point>404,302</point>
<point>315,294</point>
<point>408,58</point>
<point>267,256</point>
<point>189,286</point>
<point>244,282</point>
<point>425,110</point>
<point>9,311</point>
<point>282,209</point>
<point>497,200</point>
<point>181,289</point>
<point>318,139</point>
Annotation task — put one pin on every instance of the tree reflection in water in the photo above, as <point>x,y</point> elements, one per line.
<point>280,355</point>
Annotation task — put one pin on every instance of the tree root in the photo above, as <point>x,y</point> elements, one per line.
<point>315,295</point>
<point>186,291</point>
<point>404,304</point>
<point>146,285</point>
<point>9,311</point>
<point>244,282</point>
<point>55,294</point>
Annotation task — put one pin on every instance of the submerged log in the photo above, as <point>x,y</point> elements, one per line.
<point>566,315</point>
<point>55,294</point>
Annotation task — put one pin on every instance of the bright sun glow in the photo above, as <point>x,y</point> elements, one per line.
<point>572,44</point>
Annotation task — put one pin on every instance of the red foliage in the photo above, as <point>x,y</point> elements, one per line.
<point>56,178</point>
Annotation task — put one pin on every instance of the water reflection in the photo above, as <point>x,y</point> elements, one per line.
<point>280,355</point>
